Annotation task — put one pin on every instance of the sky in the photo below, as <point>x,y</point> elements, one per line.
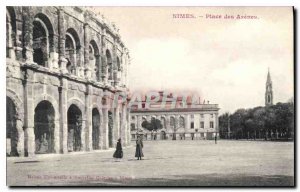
<point>224,60</point>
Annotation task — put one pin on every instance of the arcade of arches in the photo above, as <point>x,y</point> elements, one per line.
<point>61,62</point>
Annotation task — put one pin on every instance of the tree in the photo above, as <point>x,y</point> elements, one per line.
<point>275,122</point>
<point>154,124</point>
<point>223,125</point>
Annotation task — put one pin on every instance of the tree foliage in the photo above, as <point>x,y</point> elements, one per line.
<point>273,122</point>
<point>154,124</point>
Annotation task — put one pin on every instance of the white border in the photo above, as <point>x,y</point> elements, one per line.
<point>5,3</point>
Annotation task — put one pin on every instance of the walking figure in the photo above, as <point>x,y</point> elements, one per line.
<point>139,148</point>
<point>118,153</point>
<point>215,139</point>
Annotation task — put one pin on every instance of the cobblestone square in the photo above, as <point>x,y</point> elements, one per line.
<point>166,163</point>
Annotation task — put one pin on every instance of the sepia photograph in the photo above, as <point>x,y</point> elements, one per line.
<point>149,96</point>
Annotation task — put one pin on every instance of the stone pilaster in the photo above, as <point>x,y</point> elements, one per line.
<point>27,34</point>
<point>104,125</point>
<point>115,81</point>
<point>128,135</point>
<point>63,109</point>
<point>123,125</point>
<point>28,114</point>
<point>20,144</point>
<point>116,131</point>
<point>104,67</point>
<point>89,126</point>
<point>87,67</point>
<point>80,70</point>
<point>62,39</point>
<point>126,70</point>
<point>84,135</point>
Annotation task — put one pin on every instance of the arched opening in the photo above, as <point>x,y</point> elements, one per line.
<point>163,122</point>
<point>72,50</point>
<point>11,130</point>
<point>172,123</point>
<point>181,122</point>
<point>110,129</point>
<point>94,58</point>
<point>42,35</point>
<point>10,31</point>
<point>109,65</point>
<point>44,127</point>
<point>95,128</point>
<point>163,135</point>
<point>74,128</point>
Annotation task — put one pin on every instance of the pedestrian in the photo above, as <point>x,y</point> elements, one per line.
<point>118,153</point>
<point>216,139</point>
<point>139,148</point>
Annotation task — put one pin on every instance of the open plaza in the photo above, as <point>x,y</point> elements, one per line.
<point>166,163</point>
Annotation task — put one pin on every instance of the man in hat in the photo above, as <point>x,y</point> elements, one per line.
<point>139,148</point>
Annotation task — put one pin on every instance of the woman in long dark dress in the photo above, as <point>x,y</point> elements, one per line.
<point>118,153</point>
<point>139,148</point>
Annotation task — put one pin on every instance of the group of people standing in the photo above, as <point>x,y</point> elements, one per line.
<point>138,150</point>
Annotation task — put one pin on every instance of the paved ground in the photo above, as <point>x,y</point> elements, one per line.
<point>171,163</point>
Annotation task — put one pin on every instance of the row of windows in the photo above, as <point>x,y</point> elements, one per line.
<point>211,124</point>
<point>202,116</point>
<point>192,116</point>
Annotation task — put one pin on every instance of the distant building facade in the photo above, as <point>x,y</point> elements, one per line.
<point>187,120</point>
<point>62,65</point>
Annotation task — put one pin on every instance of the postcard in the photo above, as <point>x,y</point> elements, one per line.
<point>150,96</point>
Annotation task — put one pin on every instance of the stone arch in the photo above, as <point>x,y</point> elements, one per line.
<point>10,32</point>
<point>96,125</point>
<point>12,135</point>
<point>172,122</point>
<point>163,121</point>
<point>78,102</point>
<point>54,103</point>
<point>75,128</point>
<point>163,135</point>
<point>42,36</point>
<point>17,102</point>
<point>94,58</point>
<point>46,97</point>
<point>72,50</point>
<point>44,126</point>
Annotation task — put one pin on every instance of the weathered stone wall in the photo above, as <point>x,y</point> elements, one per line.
<point>69,68</point>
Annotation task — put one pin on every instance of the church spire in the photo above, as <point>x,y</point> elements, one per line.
<point>269,77</point>
<point>269,91</point>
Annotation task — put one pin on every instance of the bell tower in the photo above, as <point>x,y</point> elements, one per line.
<point>269,91</point>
